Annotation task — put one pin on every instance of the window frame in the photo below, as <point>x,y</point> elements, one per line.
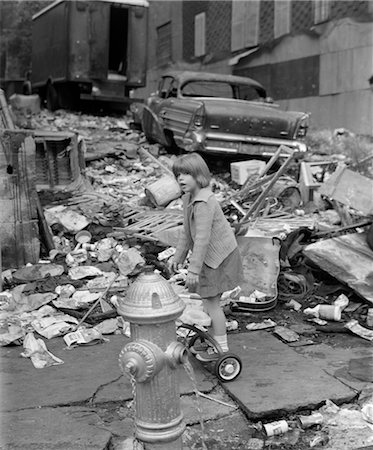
<point>160,61</point>
<point>321,11</point>
<point>200,34</point>
<point>278,30</point>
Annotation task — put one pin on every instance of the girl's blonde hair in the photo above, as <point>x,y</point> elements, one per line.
<point>194,165</point>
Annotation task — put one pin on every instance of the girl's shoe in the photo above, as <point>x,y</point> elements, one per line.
<point>199,347</point>
<point>209,355</point>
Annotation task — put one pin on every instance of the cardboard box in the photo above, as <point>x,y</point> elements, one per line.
<point>240,171</point>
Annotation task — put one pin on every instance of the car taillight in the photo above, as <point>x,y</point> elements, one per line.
<point>199,117</point>
<point>302,127</point>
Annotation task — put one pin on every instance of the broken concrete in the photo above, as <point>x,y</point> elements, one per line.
<point>88,373</point>
<point>335,360</point>
<point>51,429</point>
<point>276,380</point>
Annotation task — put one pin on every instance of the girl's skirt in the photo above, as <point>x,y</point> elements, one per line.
<point>227,276</point>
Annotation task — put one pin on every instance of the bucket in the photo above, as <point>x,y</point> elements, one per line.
<point>163,191</point>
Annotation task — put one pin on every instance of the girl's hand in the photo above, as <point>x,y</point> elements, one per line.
<point>191,282</point>
<point>175,266</point>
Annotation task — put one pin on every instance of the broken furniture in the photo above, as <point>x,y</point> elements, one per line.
<point>312,175</point>
<point>18,219</point>
<point>58,159</point>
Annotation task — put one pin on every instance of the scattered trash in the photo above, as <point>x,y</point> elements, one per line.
<point>11,334</point>
<point>79,299</point>
<point>232,325</point>
<point>328,312</point>
<point>311,420</point>
<point>37,351</point>
<point>255,297</point>
<point>293,304</point>
<point>77,273</point>
<point>275,428</point>
<point>321,439</point>
<point>55,325</point>
<point>109,326</point>
<point>37,272</point>
<point>68,218</point>
<point>342,302</point>
<point>367,412</point>
<point>354,326</point>
<point>286,334</point>
<point>233,294</point>
<point>128,260</point>
<point>267,323</point>
<point>193,316</point>
<point>83,336</point>
<point>166,254</point>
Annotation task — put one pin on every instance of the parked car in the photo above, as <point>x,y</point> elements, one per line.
<point>216,113</point>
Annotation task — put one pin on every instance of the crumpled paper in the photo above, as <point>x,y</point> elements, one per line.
<point>53,326</point>
<point>11,335</point>
<point>70,219</point>
<point>267,323</point>
<point>128,260</point>
<point>79,299</point>
<point>84,336</point>
<point>77,273</point>
<point>38,352</point>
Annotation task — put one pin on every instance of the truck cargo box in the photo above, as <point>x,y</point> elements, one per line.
<point>95,48</point>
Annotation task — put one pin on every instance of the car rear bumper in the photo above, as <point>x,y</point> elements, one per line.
<point>237,144</point>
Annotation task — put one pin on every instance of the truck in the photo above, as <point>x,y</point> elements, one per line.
<point>89,50</point>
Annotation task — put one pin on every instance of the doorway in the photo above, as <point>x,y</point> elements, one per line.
<point>118,39</point>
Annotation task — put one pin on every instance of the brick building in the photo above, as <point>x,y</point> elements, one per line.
<point>311,55</point>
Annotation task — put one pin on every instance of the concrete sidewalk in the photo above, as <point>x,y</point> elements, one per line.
<point>83,403</point>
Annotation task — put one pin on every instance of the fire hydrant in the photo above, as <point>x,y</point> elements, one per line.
<point>151,359</point>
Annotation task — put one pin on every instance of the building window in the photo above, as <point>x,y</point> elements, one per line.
<point>164,44</point>
<point>282,17</point>
<point>245,24</point>
<point>200,34</point>
<point>321,10</point>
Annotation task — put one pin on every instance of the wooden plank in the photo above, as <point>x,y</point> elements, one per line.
<point>254,209</point>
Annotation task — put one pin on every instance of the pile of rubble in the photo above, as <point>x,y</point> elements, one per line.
<point>302,229</point>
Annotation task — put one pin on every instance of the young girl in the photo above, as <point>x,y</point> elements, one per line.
<point>215,264</point>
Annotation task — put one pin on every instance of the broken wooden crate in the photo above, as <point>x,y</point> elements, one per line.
<point>148,225</point>
<point>18,218</point>
<point>58,159</point>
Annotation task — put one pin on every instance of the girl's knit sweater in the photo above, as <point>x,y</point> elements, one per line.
<point>206,232</point>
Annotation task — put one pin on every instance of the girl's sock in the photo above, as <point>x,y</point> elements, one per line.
<point>223,342</point>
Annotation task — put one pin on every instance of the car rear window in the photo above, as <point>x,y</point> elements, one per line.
<point>245,92</point>
<point>207,89</point>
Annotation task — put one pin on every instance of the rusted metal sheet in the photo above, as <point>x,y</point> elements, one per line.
<point>348,259</point>
<point>351,189</point>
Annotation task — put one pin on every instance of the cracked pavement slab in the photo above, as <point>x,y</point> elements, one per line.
<point>52,429</point>
<point>277,380</point>
<point>89,374</point>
